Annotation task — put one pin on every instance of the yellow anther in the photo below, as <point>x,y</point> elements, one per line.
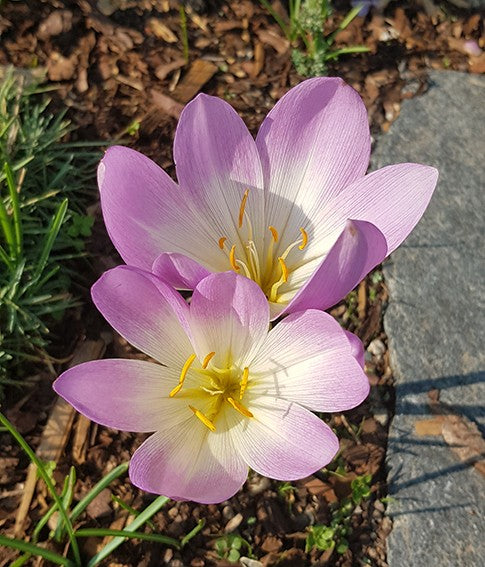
<point>239,407</point>
<point>183,374</point>
<point>176,390</point>
<point>284,270</point>
<point>232,259</point>
<point>244,382</point>
<point>222,239</point>
<point>242,207</point>
<point>274,232</point>
<point>304,238</point>
<point>205,420</point>
<point>207,359</point>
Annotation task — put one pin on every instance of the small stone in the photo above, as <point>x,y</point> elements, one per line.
<point>377,348</point>
<point>257,484</point>
<point>382,418</point>
<point>233,523</point>
<point>227,512</point>
<point>378,505</point>
<point>173,512</point>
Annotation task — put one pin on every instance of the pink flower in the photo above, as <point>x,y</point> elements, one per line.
<point>292,210</point>
<point>227,394</point>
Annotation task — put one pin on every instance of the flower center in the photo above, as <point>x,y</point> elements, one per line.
<point>216,387</point>
<point>269,272</point>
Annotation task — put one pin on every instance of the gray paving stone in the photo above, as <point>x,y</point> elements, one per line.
<point>436,326</point>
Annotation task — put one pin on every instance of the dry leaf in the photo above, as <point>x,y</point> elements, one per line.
<point>465,440</point>
<point>431,426</point>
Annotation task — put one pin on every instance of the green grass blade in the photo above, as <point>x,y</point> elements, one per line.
<point>45,477</point>
<point>185,540</point>
<point>185,37</point>
<point>97,488</point>
<point>7,229</point>
<point>35,550</point>
<point>14,197</point>
<point>51,236</point>
<point>277,18</point>
<point>349,17</point>
<point>5,259</point>
<point>101,532</point>
<point>149,511</point>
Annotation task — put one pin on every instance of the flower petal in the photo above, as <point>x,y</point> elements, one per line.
<point>179,271</point>
<point>283,440</point>
<point>308,358</point>
<point>360,247</point>
<point>189,462</point>
<point>356,347</point>
<point>393,198</point>
<point>131,395</point>
<point>216,161</point>
<point>229,315</point>
<point>313,143</point>
<point>146,213</point>
<point>146,312</point>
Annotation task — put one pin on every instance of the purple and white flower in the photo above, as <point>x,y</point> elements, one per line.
<point>292,210</point>
<point>226,394</point>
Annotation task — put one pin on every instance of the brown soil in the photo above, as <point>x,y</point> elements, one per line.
<point>119,67</point>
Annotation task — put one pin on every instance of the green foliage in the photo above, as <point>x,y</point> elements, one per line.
<point>307,20</point>
<point>230,547</point>
<point>64,533</point>
<point>39,226</point>
<point>334,536</point>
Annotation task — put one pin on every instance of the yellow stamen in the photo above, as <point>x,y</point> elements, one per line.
<point>222,239</point>
<point>274,232</point>
<point>207,359</point>
<point>232,259</point>
<point>176,390</point>
<point>239,407</point>
<point>244,382</point>
<point>284,270</point>
<point>304,238</point>
<point>283,279</point>
<point>183,374</point>
<point>242,207</point>
<point>205,420</point>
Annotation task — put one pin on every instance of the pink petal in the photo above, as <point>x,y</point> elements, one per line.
<point>216,161</point>
<point>188,462</point>
<point>393,198</point>
<point>312,144</point>
<point>308,359</point>
<point>360,247</point>
<point>145,212</point>
<point>356,347</point>
<point>283,440</point>
<point>229,315</point>
<point>146,312</point>
<point>131,395</point>
<point>179,271</point>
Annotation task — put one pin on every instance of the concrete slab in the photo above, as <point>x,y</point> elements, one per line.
<point>435,322</point>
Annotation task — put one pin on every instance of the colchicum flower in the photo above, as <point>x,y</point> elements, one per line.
<point>227,395</point>
<point>292,210</point>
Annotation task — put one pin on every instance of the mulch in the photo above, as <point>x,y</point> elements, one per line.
<point>119,67</point>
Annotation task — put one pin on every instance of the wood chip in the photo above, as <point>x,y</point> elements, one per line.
<point>276,41</point>
<point>166,103</point>
<point>163,70</point>
<point>197,76</point>
<point>160,30</point>
<point>56,432</point>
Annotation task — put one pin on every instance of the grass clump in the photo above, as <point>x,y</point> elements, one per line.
<point>45,185</point>
<point>313,48</point>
